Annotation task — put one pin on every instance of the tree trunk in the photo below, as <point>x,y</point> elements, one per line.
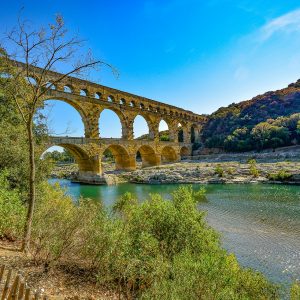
<point>32,191</point>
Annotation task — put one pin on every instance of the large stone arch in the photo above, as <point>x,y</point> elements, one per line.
<point>185,132</point>
<point>116,120</point>
<point>195,133</point>
<point>169,127</point>
<point>185,152</point>
<point>69,101</point>
<point>89,166</point>
<point>87,112</point>
<point>149,156</point>
<point>152,125</point>
<point>169,154</point>
<point>123,159</point>
<point>125,120</point>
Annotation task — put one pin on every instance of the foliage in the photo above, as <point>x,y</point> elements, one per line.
<point>28,58</point>
<point>219,170</point>
<point>164,135</point>
<point>54,224</point>
<point>13,156</point>
<point>266,121</point>
<point>238,140</point>
<point>12,210</point>
<point>253,168</point>
<point>267,135</point>
<point>142,249</point>
<point>281,175</point>
<point>231,171</point>
<point>295,291</point>
<point>59,157</point>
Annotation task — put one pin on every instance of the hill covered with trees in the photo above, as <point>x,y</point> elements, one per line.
<point>267,121</point>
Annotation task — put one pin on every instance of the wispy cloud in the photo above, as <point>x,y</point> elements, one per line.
<point>241,73</point>
<point>286,23</point>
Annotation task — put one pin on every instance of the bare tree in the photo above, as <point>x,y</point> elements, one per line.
<point>28,57</point>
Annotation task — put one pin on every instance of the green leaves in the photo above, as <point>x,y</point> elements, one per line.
<point>12,210</point>
<point>156,249</point>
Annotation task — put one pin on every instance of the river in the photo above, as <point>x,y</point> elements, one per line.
<point>259,223</point>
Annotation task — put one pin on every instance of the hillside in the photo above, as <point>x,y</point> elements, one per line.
<point>266,121</point>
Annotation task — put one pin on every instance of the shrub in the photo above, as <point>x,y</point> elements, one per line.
<point>219,170</point>
<point>251,161</point>
<point>281,175</point>
<point>165,250</point>
<point>55,225</point>
<point>253,168</point>
<point>157,249</point>
<point>295,291</point>
<point>12,210</point>
<point>231,171</point>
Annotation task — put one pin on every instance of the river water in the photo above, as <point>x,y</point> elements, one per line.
<point>259,223</point>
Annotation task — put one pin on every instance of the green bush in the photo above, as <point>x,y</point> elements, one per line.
<point>253,168</point>
<point>281,175</point>
<point>56,224</point>
<point>165,250</point>
<point>219,170</point>
<point>251,161</point>
<point>231,171</point>
<point>12,210</point>
<point>295,291</point>
<point>157,249</point>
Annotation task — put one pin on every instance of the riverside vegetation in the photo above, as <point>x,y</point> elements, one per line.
<point>157,249</point>
<point>136,249</point>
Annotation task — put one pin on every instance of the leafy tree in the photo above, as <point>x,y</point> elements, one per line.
<point>13,158</point>
<point>57,156</point>
<point>268,135</point>
<point>41,52</point>
<point>239,140</point>
<point>298,128</point>
<point>261,134</point>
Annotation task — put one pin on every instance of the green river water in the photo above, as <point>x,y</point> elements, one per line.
<point>259,223</point>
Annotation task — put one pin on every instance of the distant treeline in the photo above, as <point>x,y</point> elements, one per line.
<point>58,156</point>
<point>267,121</point>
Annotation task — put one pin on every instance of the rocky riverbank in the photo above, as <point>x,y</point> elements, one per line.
<point>225,172</point>
<point>199,172</point>
<point>64,171</point>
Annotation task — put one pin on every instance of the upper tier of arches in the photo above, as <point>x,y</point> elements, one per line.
<point>126,100</point>
<point>57,83</point>
<point>126,123</point>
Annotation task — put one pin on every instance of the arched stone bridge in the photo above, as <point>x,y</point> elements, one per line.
<point>88,153</point>
<point>90,99</point>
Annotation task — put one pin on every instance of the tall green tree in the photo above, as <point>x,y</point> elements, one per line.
<point>261,134</point>
<point>41,51</point>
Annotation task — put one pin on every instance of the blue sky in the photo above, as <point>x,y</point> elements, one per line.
<point>198,55</point>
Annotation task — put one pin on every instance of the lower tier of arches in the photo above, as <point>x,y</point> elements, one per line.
<point>90,157</point>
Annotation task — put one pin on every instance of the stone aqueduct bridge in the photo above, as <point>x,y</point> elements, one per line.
<point>90,99</point>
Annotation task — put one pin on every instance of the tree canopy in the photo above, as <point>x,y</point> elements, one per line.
<point>267,121</point>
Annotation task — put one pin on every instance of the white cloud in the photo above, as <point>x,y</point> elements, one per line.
<point>286,23</point>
